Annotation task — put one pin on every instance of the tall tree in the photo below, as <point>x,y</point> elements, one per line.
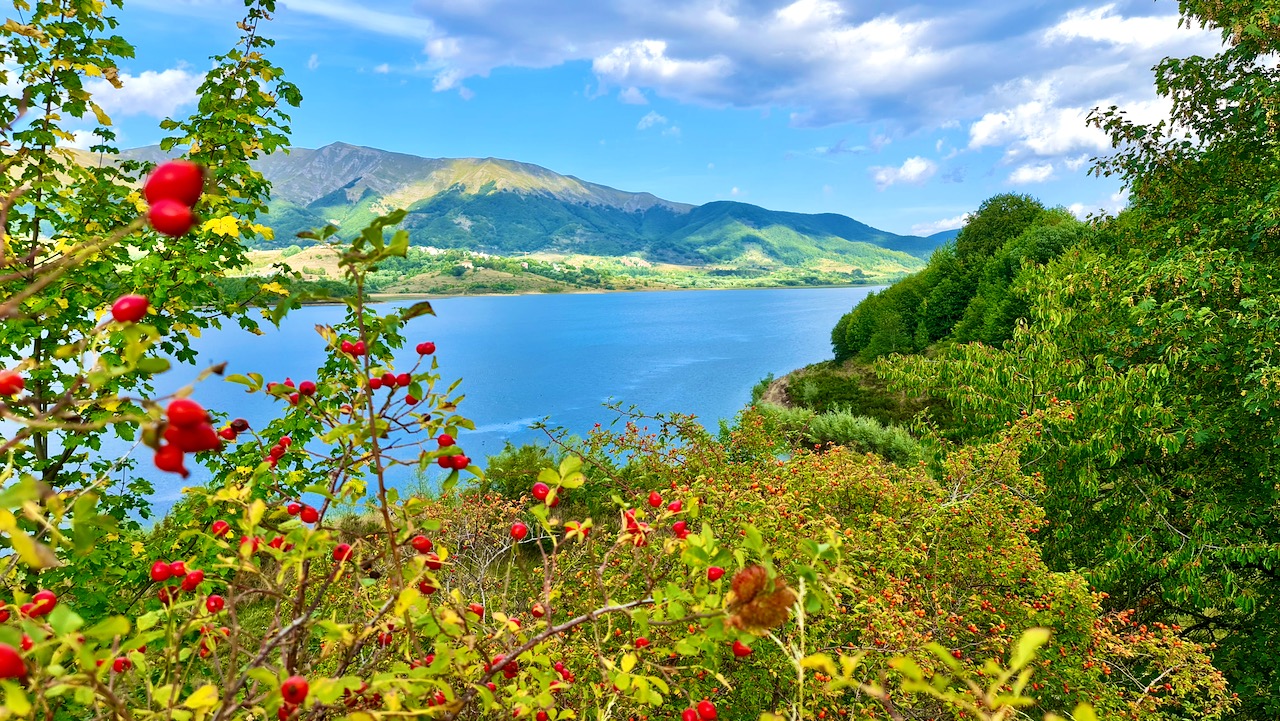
<point>1164,333</point>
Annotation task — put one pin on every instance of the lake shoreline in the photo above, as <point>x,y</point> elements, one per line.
<point>389,297</point>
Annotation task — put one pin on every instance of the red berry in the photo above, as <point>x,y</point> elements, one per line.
<point>285,441</point>
<point>160,571</point>
<point>185,412</point>
<point>675,506</point>
<point>445,461</point>
<point>120,665</point>
<point>307,388</point>
<point>741,649</point>
<point>541,716</point>
<point>715,573</point>
<point>177,180</point>
<point>459,463</point>
<point>689,715</point>
<point>309,514</point>
<point>477,609</point>
<point>293,399</point>
<point>130,308</point>
<point>194,438</point>
<point>227,434</point>
<point>519,530</point>
<point>43,602</point>
<point>214,603</point>
<point>411,400</point>
<point>11,383</point>
<point>538,611</point>
<point>171,218</point>
<point>239,425</point>
<point>294,690</point>
<point>540,490</point>
<point>293,509</point>
<point>389,379</point>
<point>445,440</point>
<point>680,528</point>
<point>403,380</point>
<point>655,499</point>
<point>11,665</point>
<point>169,458</point>
<point>375,383</point>
<point>433,561</point>
<point>358,348</point>
<point>193,579</point>
<point>178,569</point>
<point>426,588</point>
<point>426,348</point>
<point>421,544</point>
<point>220,528</point>
<point>342,552</point>
<point>27,643</point>
<point>642,642</point>
<point>288,383</point>
<point>706,710</point>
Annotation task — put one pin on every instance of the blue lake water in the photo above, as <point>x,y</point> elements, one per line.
<point>525,358</point>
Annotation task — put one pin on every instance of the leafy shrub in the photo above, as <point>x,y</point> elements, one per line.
<point>859,433</point>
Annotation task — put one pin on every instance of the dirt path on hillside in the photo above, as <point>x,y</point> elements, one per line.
<point>776,393</point>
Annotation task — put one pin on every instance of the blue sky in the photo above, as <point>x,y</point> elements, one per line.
<point>902,115</point>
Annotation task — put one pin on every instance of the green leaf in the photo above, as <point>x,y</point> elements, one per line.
<point>417,309</point>
<point>1025,651</point>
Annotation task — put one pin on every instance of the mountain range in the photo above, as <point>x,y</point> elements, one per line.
<point>511,208</point>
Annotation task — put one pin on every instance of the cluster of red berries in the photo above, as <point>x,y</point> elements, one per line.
<point>361,696</point>
<point>171,190</point>
<point>162,571</point>
<point>543,492</point>
<point>354,349</point>
<point>306,513</point>
<point>234,429</point>
<point>705,711</point>
<point>188,431</point>
<point>277,452</point>
<point>301,390</point>
<point>458,461</point>
<point>40,605</point>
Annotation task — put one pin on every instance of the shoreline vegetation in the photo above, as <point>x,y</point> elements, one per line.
<point>431,273</point>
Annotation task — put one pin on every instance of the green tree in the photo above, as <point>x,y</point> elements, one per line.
<point>1164,332</point>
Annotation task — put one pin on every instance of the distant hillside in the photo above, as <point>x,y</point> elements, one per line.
<point>511,208</point>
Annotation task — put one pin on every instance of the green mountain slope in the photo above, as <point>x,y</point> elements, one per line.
<point>506,207</point>
<point>512,208</point>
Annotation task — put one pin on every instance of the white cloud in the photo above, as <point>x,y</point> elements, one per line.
<point>313,62</point>
<point>1076,163</point>
<point>672,132</point>
<point>650,120</point>
<point>366,18</point>
<point>915,171</point>
<point>938,226</point>
<point>735,191</point>
<point>1032,173</point>
<point>1104,25</point>
<point>382,69</point>
<point>158,94</point>
<point>632,96</point>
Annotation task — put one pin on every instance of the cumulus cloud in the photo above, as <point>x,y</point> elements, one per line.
<point>1021,76</point>
<point>1032,173</point>
<point>158,94</point>
<point>651,119</point>
<point>313,62</point>
<point>632,96</point>
<point>938,226</point>
<point>915,170</point>
<point>382,69</point>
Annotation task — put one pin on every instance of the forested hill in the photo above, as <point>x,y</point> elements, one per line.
<point>508,207</point>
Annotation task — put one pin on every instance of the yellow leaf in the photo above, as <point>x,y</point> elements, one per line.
<point>275,288</point>
<point>265,231</point>
<point>226,226</point>
<point>629,662</point>
<point>100,114</point>
<point>820,661</point>
<point>204,697</point>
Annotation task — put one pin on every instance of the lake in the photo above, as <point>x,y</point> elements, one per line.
<point>525,358</point>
